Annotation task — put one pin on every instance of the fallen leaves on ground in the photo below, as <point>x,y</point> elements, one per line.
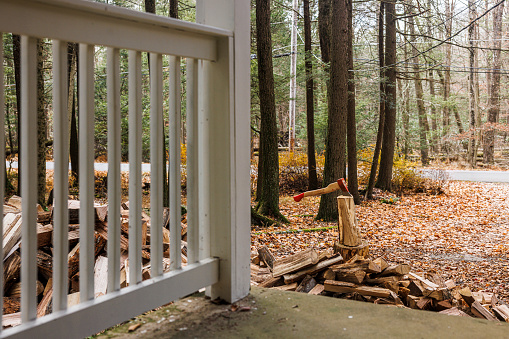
<point>461,235</point>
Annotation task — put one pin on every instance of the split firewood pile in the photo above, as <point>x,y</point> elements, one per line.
<point>12,243</point>
<point>375,281</point>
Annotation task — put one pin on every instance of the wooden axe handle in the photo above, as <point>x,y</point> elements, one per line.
<point>330,188</point>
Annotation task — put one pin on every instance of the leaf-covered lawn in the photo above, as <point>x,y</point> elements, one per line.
<point>463,234</point>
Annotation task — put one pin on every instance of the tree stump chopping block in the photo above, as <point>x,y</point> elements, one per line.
<point>350,240</point>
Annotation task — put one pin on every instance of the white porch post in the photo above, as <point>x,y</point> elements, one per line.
<point>228,162</point>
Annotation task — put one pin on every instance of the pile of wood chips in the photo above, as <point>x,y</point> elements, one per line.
<point>375,281</point>
<point>12,258</point>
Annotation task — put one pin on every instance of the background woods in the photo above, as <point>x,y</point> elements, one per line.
<point>375,83</point>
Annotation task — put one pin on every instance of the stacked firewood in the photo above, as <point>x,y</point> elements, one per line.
<point>12,244</point>
<point>372,280</point>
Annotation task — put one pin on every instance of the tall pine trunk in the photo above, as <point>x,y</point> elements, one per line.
<point>419,94</point>
<point>16,52</point>
<point>41,127</point>
<point>494,102</point>
<point>335,145</point>
<point>381,109</point>
<point>389,135</point>
<point>351,133</point>
<point>310,100</point>
<point>268,163</point>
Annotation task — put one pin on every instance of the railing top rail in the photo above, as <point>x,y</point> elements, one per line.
<point>102,24</point>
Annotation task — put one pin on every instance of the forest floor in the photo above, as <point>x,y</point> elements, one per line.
<point>462,234</point>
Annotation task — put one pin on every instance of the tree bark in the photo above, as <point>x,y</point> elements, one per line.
<point>310,100</point>
<point>494,102</point>
<point>419,94</point>
<point>351,135</point>
<point>381,110</point>
<point>268,163</point>
<point>472,114</point>
<point>449,9</point>
<point>433,112</point>
<point>335,145</point>
<point>72,54</point>
<point>324,12</point>
<point>41,127</point>
<point>389,135</point>
<point>16,52</point>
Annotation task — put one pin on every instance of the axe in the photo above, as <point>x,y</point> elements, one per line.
<point>338,185</point>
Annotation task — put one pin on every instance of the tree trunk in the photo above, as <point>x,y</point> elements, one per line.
<point>72,53</point>
<point>449,10</point>
<point>472,151</point>
<point>389,135</point>
<point>381,118</point>
<point>268,163</point>
<point>419,94</point>
<point>353,185</point>
<point>41,127</point>
<point>494,103</point>
<point>335,145</point>
<point>433,111</point>
<point>293,78</point>
<point>73,132</point>
<point>324,12</point>
<point>16,53</point>
<point>310,100</point>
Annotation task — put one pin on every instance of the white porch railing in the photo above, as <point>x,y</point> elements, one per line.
<point>217,161</point>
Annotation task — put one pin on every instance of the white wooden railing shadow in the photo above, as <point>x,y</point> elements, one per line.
<point>217,54</point>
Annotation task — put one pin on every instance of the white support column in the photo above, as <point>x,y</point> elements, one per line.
<point>29,177</point>
<point>61,177</point>
<point>2,162</point>
<point>229,156</point>
<point>113,98</point>
<point>156,165</point>
<point>193,208</point>
<point>135,141</point>
<point>86,169</point>
<point>174,160</point>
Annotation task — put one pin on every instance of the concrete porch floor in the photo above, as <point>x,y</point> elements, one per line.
<point>275,314</point>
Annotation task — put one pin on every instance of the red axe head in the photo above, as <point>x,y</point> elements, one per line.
<point>342,185</point>
<point>298,197</point>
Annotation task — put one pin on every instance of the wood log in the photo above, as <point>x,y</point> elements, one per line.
<point>354,275</point>
<point>502,312</point>
<point>424,281</point>
<point>292,277</point>
<point>399,269</point>
<point>349,234</point>
<point>266,256</point>
<point>383,280</point>
<point>11,320</point>
<point>450,284</point>
<point>44,265</point>
<point>271,282</point>
<point>306,285</point>
<point>381,262</point>
<point>366,265</point>
<point>318,289</point>
<point>348,252</point>
<point>289,287</point>
<point>11,305</point>
<point>12,234</point>
<point>416,288</point>
<point>12,268</point>
<point>15,290</point>
<point>295,262</point>
<point>73,260</point>
<point>44,217</point>
<point>73,299</point>
<point>100,276</point>
<point>44,235</point>
<point>480,312</point>
<point>424,304</point>
<point>454,311</point>
<point>329,275</point>
<point>466,295</point>
<point>101,212</point>
<point>10,209</point>
<point>15,201</point>
<point>411,301</point>
<point>45,306</point>
<point>443,305</point>
<point>345,287</point>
